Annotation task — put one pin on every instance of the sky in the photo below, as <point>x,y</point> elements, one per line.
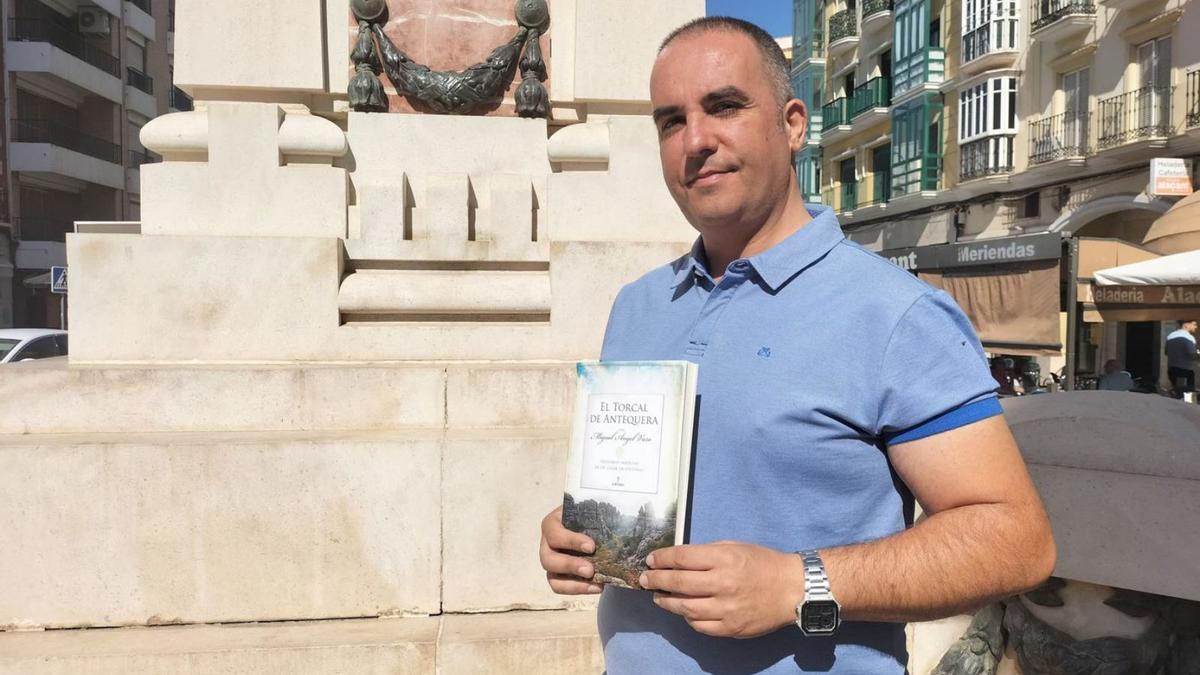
<point>773,15</point>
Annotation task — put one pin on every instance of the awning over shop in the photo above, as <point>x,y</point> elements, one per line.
<point>1152,290</point>
<point>1177,230</point>
<point>37,281</point>
<point>1014,307</point>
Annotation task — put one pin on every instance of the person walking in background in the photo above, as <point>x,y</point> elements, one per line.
<point>1182,358</point>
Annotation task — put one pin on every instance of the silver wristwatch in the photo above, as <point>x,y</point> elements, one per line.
<point>818,613</point>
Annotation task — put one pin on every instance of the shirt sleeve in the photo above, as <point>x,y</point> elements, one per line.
<point>933,371</point>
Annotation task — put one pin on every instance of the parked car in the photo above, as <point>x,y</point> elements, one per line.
<point>23,344</point>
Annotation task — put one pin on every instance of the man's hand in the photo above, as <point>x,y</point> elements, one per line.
<point>727,589</point>
<point>567,573</point>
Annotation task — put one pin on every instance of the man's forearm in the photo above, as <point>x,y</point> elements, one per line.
<point>951,562</point>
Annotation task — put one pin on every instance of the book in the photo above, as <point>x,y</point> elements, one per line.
<point>629,466</point>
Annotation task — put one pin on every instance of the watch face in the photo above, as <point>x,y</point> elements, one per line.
<point>819,617</point>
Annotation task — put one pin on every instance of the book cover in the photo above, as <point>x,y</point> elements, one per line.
<point>630,461</point>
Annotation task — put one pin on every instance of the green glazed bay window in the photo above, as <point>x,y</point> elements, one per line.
<point>808,170</point>
<point>844,24</point>
<point>917,145</point>
<point>916,59</point>
<point>807,30</point>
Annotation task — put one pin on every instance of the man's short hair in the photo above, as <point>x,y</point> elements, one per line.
<point>773,59</point>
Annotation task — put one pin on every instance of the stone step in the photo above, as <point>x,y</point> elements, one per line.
<point>525,643</point>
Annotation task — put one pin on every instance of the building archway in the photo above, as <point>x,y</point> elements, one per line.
<point>1073,221</point>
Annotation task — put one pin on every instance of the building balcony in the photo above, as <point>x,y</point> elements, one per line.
<point>842,198</point>
<point>1192,111</point>
<point>139,92</point>
<point>178,100</point>
<point>41,49</point>
<point>835,118</point>
<point>986,158</point>
<point>1062,137</point>
<point>984,49</point>
<point>1142,116</point>
<point>876,15</point>
<point>143,5</point>
<point>137,15</point>
<point>39,228</point>
<point>1126,4</point>
<point>65,153</point>
<point>843,32</point>
<point>870,101</point>
<point>1054,20</point>
<point>808,47</point>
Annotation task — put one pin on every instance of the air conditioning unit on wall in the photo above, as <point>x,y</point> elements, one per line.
<point>93,20</point>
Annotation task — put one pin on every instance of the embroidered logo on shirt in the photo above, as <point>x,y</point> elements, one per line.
<point>764,352</point>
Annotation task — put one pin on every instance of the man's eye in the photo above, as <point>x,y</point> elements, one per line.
<point>669,124</point>
<point>725,107</point>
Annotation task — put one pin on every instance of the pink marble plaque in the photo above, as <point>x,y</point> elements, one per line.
<point>450,35</point>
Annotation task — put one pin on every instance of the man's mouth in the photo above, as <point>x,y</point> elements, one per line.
<point>708,177</point>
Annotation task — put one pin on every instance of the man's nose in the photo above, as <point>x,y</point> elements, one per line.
<point>699,137</point>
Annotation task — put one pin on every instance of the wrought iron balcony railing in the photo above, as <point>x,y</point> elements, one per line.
<point>45,30</point>
<point>873,7</point>
<point>71,138</point>
<point>1060,136</point>
<point>1135,115</point>
<point>1046,12</point>
<point>835,113</point>
<point>874,93</point>
<point>1193,99</point>
<point>139,80</point>
<point>842,25</point>
<point>178,100</point>
<point>985,157</point>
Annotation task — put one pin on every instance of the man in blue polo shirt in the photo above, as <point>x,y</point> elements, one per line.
<point>834,389</point>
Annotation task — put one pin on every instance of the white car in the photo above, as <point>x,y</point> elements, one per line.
<point>23,344</point>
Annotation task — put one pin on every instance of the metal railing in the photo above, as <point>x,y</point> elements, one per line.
<point>1193,98</point>
<point>140,157</point>
<point>849,196</point>
<point>1060,136</point>
<point>1135,115</point>
<point>1046,12</point>
<point>75,44</point>
<point>143,5</point>
<point>842,25</point>
<point>178,100</point>
<point>139,80</point>
<point>71,138</point>
<point>874,93</point>
<point>985,157</point>
<point>835,113</point>
<point>873,7</point>
<point>883,185</point>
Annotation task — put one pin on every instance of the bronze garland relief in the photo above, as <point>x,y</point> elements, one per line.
<point>450,92</point>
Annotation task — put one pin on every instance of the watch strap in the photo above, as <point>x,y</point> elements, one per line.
<point>816,581</point>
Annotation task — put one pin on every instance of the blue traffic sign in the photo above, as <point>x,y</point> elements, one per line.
<point>58,280</point>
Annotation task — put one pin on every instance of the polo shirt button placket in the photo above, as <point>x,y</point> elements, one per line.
<point>720,296</point>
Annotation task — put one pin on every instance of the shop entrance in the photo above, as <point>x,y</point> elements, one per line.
<point>1141,350</point>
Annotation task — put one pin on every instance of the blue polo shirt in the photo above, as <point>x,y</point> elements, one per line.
<point>814,356</point>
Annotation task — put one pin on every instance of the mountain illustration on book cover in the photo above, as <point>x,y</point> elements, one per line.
<point>628,470</point>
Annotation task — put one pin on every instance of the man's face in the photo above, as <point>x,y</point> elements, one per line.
<point>725,149</point>
<point>1190,327</point>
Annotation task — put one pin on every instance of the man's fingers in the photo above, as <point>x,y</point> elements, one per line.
<point>692,609</point>
<point>698,557</point>
<point>679,582</point>
<point>563,539</point>
<point>570,585</point>
<point>564,563</point>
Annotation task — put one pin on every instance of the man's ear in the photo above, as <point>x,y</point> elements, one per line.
<point>795,120</point>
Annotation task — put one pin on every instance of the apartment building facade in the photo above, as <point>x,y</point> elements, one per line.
<point>81,79</point>
<point>947,122</point>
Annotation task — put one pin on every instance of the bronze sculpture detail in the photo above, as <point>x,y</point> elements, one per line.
<point>450,92</point>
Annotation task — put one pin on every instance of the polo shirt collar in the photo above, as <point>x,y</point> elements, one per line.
<point>778,264</point>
